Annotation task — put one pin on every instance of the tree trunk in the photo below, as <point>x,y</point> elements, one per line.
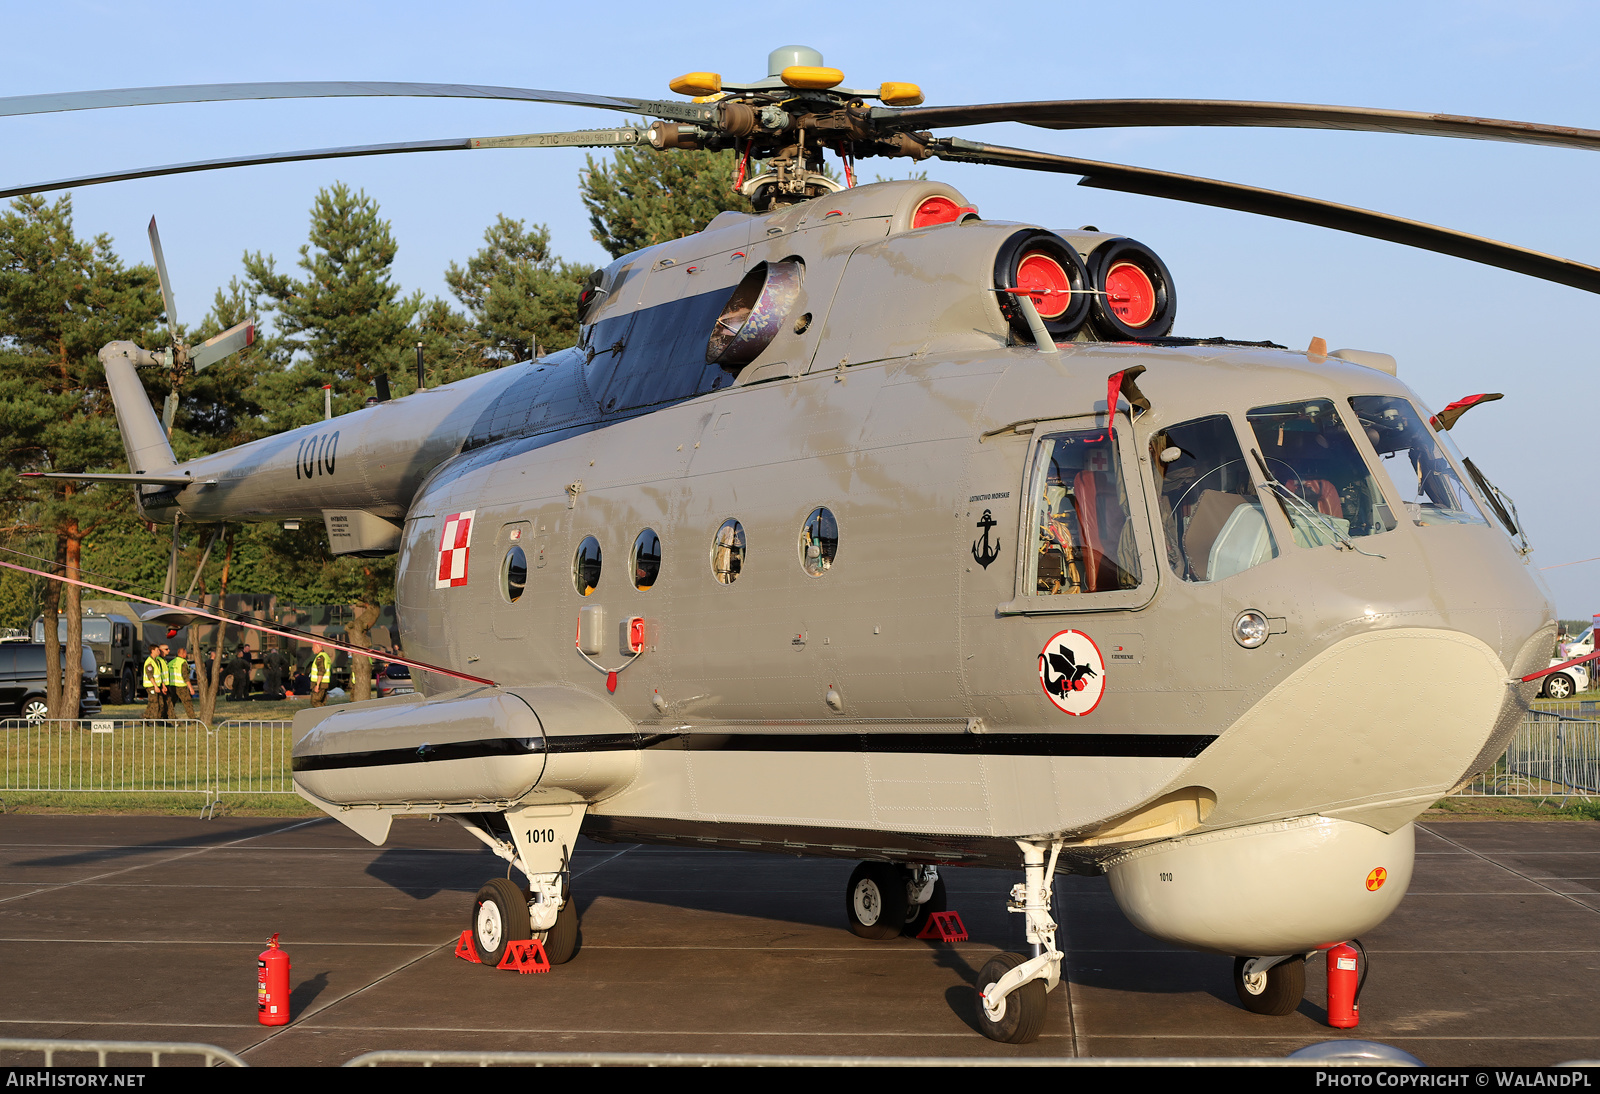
<point>358,633</point>
<point>72,673</point>
<point>52,635</point>
<point>211,679</point>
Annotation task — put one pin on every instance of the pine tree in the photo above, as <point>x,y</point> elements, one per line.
<point>644,197</point>
<point>345,322</point>
<point>520,296</point>
<point>61,299</point>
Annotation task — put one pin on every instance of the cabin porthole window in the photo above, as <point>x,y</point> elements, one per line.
<point>727,552</point>
<point>514,575</point>
<point>819,542</point>
<point>646,559</point>
<point>586,566</point>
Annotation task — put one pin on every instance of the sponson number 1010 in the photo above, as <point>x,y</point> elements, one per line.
<point>542,835</point>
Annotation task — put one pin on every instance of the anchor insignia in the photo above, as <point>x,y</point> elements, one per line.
<point>988,554</point>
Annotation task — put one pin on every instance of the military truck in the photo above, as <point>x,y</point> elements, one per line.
<point>120,641</point>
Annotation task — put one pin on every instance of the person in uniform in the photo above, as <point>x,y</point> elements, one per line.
<point>155,683</point>
<point>321,674</point>
<point>240,667</point>
<point>275,665</point>
<point>178,685</point>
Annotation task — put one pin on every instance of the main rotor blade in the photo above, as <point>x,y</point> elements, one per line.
<point>1118,113</point>
<point>217,347</point>
<point>337,89</point>
<point>167,301</point>
<point>1272,203</point>
<point>582,138</point>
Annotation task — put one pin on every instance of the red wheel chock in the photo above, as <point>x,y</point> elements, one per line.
<point>525,956</point>
<point>944,927</point>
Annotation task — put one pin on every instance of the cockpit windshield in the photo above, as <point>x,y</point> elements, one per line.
<point>1214,523</point>
<point>1326,487</point>
<point>1430,490</point>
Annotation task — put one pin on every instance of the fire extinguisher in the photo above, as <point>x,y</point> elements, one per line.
<point>1347,972</point>
<point>272,986</point>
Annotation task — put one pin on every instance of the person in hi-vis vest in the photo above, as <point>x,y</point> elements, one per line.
<point>178,686</point>
<point>157,701</point>
<point>321,674</point>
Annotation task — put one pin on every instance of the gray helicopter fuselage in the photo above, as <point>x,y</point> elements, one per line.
<point>897,702</point>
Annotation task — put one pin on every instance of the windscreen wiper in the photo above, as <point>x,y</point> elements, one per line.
<point>1288,500</point>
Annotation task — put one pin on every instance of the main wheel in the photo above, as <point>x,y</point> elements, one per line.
<point>561,941</point>
<point>1277,991</point>
<point>1018,1019</point>
<point>917,915</point>
<point>875,901</point>
<point>499,916</point>
<point>1558,686</point>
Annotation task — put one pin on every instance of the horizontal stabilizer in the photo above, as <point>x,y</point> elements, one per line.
<point>136,478</point>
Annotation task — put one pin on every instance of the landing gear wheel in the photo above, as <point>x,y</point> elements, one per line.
<point>1277,991</point>
<point>561,941</point>
<point>875,901</point>
<point>917,915</point>
<point>499,916</point>
<point>1019,1019</point>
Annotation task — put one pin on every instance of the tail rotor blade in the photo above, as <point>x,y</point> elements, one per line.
<point>169,412</point>
<point>166,285</point>
<point>214,349</point>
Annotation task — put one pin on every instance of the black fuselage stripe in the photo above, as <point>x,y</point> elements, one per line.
<point>1139,745</point>
<point>428,753</point>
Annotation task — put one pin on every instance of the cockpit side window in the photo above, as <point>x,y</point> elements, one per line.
<point>1327,489</point>
<point>1214,521</point>
<point>1083,538</point>
<point>1430,491</point>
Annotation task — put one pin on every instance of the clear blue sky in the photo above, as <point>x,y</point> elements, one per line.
<point>1456,328</point>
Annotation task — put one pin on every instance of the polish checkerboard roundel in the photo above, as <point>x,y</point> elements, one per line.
<point>1072,672</point>
<point>454,540</point>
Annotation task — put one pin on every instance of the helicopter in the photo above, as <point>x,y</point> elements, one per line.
<point>870,528</point>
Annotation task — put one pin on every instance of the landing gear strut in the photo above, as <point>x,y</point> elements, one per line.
<point>1013,988</point>
<point>538,841</point>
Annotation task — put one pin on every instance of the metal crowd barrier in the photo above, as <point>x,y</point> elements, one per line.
<point>1323,1055</point>
<point>1554,753</point>
<point>142,756</point>
<point>211,1054</point>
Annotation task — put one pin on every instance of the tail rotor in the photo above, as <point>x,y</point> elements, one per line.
<point>180,359</point>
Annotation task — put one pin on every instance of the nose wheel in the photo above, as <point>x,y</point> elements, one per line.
<point>1269,985</point>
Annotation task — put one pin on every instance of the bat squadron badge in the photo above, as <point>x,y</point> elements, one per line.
<point>1072,672</point>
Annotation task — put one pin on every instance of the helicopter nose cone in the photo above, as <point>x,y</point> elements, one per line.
<point>785,56</point>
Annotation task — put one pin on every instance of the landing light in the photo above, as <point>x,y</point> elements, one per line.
<point>810,77</point>
<point>1250,628</point>
<point>702,83</point>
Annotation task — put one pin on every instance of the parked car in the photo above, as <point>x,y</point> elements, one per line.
<point>395,680</point>
<point>22,682</point>
<point>1564,684</point>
